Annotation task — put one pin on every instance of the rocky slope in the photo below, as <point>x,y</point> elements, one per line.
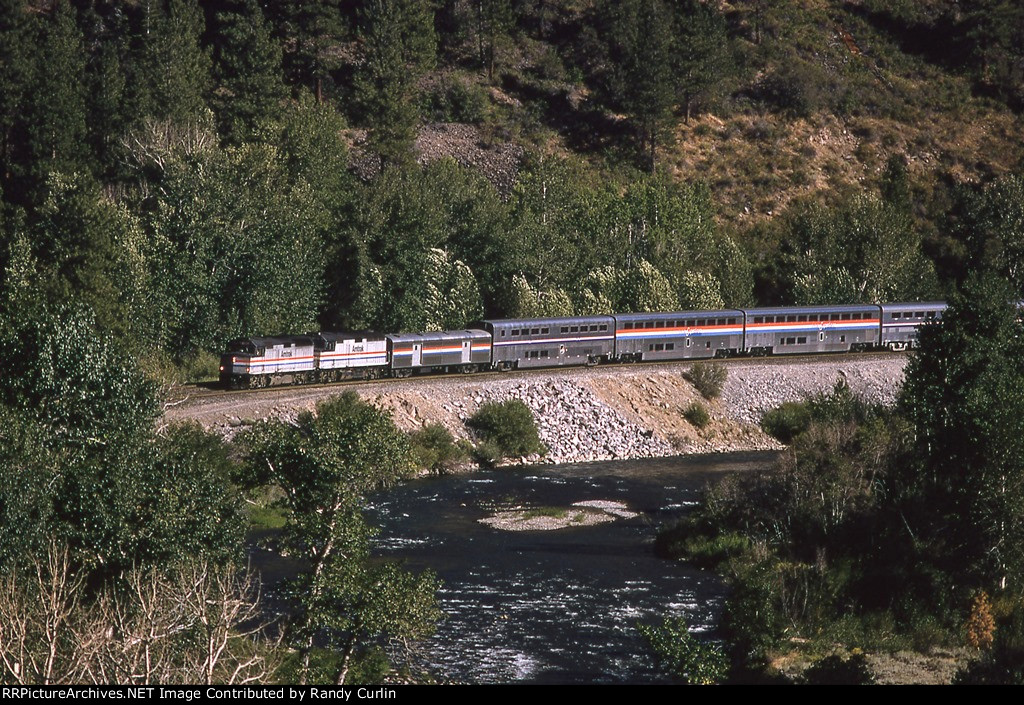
<point>605,413</point>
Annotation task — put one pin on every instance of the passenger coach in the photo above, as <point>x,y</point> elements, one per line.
<point>811,329</point>
<point>551,342</point>
<point>901,322</point>
<point>678,336</point>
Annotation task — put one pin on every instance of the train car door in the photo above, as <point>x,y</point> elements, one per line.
<point>467,351</point>
<point>417,354</point>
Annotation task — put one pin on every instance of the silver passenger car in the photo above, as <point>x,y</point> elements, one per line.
<point>550,342</point>
<point>811,329</point>
<point>448,351</point>
<point>902,321</point>
<point>677,336</point>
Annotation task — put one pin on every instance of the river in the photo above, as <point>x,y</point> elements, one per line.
<point>555,606</point>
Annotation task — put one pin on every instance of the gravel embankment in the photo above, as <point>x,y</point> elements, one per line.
<point>572,422</point>
<point>752,389</point>
<point>603,413</point>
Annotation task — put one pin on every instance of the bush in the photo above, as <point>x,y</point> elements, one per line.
<point>787,421</point>
<point>709,378</point>
<point>507,429</point>
<point>833,670</point>
<point>684,656</point>
<point>798,88</point>
<point>434,448</point>
<point>456,100</point>
<point>697,414</point>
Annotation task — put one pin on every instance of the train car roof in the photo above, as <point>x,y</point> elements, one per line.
<point>439,335</point>
<point>272,341</point>
<point>788,310</point>
<point>547,321</point>
<point>914,306</point>
<point>677,314</point>
<point>355,335</point>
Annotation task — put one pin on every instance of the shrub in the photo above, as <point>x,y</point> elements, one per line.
<point>697,414</point>
<point>434,448</point>
<point>487,453</point>
<point>708,378</point>
<point>507,429</point>
<point>684,656</point>
<point>707,552</point>
<point>797,87</point>
<point>456,100</point>
<point>833,670</point>
<point>202,367</point>
<point>786,422</point>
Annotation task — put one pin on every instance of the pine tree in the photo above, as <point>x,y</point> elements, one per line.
<point>54,115</point>
<point>398,46</point>
<point>310,29</point>
<point>15,72</point>
<point>702,53</point>
<point>247,70</point>
<point>172,74</point>
<point>494,18</point>
<point>641,49</point>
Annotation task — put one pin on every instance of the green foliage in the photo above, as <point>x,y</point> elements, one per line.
<point>709,378</point>
<point>797,87</point>
<point>247,71</point>
<point>89,250</point>
<point>865,251</point>
<point>752,622</point>
<point>434,448</point>
<point>458,100</point>
<point>682,655</point>
<point>398,45</point>
<point>687,541</point>
<point>697,414</point>
<point>452,296</point>
<point>641,47</point>
<point>992,228</point>
<point>86,466</point>
<point>835,670</point>
<point>526,302</point>
<point>509,426</point>
<point>214,210</point>
<point>787,421</point>
<point>47,110</point>
<point>639,288</point>
<point>417,220</point>
<point>494,18</point>
<point>791,419</point>
<point>173,70</point>
<point>323,466</point>
<point>703,63</point>
<point>965,495</point>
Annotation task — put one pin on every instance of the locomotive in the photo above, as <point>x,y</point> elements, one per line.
<point>506,344</point>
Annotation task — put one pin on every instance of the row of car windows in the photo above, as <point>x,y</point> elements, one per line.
<point>596,328</point>
<point>929,315</point>
<point>815,318</point>
<point>688,323</point>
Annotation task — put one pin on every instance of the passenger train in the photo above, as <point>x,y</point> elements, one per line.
<point>506,344</point>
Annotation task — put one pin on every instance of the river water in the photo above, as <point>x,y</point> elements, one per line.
<point>555,606</point>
